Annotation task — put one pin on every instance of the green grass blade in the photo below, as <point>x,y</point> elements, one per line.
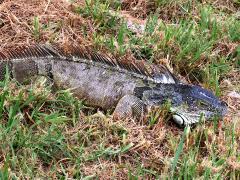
<point>179,150</point>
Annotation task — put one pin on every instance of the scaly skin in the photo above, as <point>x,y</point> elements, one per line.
<point>108,84</point>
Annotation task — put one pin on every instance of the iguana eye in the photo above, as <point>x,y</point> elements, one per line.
<point>202,103</point>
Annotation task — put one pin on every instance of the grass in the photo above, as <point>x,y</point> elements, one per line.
<point>36,28</point>
<point>191,43</point>
<point>46,133</point>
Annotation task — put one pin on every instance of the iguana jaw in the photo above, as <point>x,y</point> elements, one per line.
<point>184,117</point>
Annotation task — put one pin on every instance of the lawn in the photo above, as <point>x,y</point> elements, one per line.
<point>47,133</point>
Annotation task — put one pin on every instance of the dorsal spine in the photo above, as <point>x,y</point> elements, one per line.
<point>140,69</point>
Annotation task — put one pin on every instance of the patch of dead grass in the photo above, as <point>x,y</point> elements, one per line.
<point>58,24</point>
<point>170,11</point>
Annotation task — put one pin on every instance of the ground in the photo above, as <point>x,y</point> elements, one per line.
<point>46,133</point>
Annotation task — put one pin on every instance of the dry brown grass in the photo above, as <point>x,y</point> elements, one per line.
<point>64,25</point>
<point>170,11</point>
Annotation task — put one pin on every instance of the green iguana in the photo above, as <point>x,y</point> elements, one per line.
<point>129,87</point>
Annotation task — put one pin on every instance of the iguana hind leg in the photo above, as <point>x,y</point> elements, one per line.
<point>129,106</point>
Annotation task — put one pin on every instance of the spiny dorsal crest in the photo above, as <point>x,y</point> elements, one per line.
<point>158,73</point>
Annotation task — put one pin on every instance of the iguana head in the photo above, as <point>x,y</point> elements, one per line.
<point>196,103</point>
<point>188,103</point>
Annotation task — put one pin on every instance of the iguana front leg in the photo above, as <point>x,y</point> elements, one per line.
<point>130,106</point>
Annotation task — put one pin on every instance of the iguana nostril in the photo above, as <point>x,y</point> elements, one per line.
<point>224,104</point>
